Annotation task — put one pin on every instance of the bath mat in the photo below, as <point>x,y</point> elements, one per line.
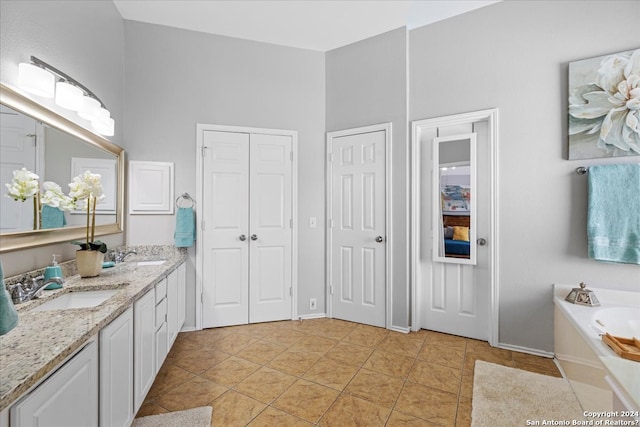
<point>504,396</point>
<point>196,417</point>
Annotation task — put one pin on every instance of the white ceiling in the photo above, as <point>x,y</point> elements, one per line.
<point>319,25</point>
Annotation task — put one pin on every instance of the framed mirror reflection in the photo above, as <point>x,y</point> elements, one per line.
<point>454,204</point>
<point>40,153</point>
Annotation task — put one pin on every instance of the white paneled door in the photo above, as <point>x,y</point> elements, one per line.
<point>247,235</point>
<point>357,220</point>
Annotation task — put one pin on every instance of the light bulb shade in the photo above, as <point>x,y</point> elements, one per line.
<point>68,96</point>
<point>103,115</point>
<point>104,127</point>
<point>36,80</point>
<point>89,108</point>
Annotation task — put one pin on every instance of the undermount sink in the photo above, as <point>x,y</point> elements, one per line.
<point>80,299</point>
<point>156,262</point>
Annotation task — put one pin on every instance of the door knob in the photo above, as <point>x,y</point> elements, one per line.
<point>482,241</point>
<point>242,237</point>
<point>254,237</point>
<point>379,239</point>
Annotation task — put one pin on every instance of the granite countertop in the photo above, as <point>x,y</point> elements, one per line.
<point>43,339</point>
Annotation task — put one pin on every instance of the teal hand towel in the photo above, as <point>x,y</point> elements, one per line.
<point>52,217</point>
<point>613,222</point>
<point>185,233</point>
<point>8,313</point>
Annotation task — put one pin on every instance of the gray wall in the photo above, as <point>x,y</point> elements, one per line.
<point>86,41</point>
<point>177,78</point>
<point>494,57</point>
<point>366,85</point>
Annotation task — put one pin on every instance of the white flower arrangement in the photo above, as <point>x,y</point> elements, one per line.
<point>54,197</point>
<point>23,186</point>
<point>85,191</point>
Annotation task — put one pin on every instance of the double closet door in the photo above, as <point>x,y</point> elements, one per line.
<point>247,235</point>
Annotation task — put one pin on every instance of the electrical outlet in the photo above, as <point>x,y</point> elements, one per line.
<point>312,303</point>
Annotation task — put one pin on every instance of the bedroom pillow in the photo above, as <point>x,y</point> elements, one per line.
<point>448,232</point>
<point>461,233</point>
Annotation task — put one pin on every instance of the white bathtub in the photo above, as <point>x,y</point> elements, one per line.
<point>593,369</point>
<point>618,321</point>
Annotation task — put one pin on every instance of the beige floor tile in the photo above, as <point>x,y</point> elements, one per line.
<point>200,360</point>
<point>451,341</point>
<point>150,407</point>
<point>284,336</point>
<point>265,384</point>
<point>463,416</point>
<point>331,373</point>
<point>350,411</point>
<point>195,392</point>
<point>389,363</point>
<point>314,344</point>
<point>539,368</point>
<point>442,354</point>
<point>398,419</point>
<point>466,385</point>
<point>168,378</point>
<point>233,343</point>
<point>397,343</point>
<point>349,354</point>
<point>377,388</point>
<point>436,376</point>
<point>262,352</point>
<point>367,336</point>
<point>231,371</point>
<point>294,363</point>
<point>235,409</point>
<point>306,400</point>
<point>271,417</point>
<point>428,403</point>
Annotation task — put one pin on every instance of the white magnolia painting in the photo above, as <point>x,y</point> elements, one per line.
<point>604,106</point>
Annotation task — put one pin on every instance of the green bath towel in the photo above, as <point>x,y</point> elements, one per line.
<point>8,313</point>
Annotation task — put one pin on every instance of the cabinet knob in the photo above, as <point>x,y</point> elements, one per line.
<point>242,237</point>
<point>254,237</point>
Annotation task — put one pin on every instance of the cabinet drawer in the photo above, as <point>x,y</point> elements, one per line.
<point>161,313</point>
<point>161,290</point>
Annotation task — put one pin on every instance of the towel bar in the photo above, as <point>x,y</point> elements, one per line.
<point>582,170</point>
<point>185,196</point>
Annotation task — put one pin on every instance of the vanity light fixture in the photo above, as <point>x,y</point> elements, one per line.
<point>39,78</point>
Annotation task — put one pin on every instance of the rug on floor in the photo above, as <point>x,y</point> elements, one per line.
<point>196,417</point>
<point>504,396</point>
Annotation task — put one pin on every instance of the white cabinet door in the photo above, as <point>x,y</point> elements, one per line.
<point>182,289</point>
<point>162,336</point>
<point>172,307</point>
<point>144,367</point>
<point>69,397</point>
<point>116,372</point>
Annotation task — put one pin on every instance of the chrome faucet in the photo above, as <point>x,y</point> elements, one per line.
<point>26,292</point>
<point>121,255</point>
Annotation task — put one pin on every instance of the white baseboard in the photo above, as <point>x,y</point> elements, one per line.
<point>188,329</point>
<point>312,316</point>
<point>520,349</point>
<point>400,329</point>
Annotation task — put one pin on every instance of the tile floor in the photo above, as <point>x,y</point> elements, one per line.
<point>326,372</point>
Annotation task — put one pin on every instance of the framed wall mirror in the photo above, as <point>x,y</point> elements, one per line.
<point>454,204</point>
<point>56,149</point>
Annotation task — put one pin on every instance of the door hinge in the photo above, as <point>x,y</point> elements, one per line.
<point>330,290</point>
<point>330,157</point>
<point>291,223</point>
<point>202,298</point>
<point>202,224</point>
<point>330,223</point>
<point>291,156</point>
<point>202,149</point>
<point>290,292</point>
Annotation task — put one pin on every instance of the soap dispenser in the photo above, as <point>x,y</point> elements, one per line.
<point>52,271</point>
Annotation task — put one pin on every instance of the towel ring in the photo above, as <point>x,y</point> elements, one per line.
<point>187,197</point>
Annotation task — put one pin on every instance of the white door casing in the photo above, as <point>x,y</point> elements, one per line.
<point>246,270</point>
<point>448,297</point>
<point>358,231</point>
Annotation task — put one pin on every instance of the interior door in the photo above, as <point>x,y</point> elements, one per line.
<point>225,270</point>
<point>247,235</point>
<point>358,226</point>
<point>270,228</point>
<point>456,295</point>
<point>17,151</point>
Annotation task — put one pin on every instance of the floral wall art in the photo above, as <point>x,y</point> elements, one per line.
<point>604,106</point>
